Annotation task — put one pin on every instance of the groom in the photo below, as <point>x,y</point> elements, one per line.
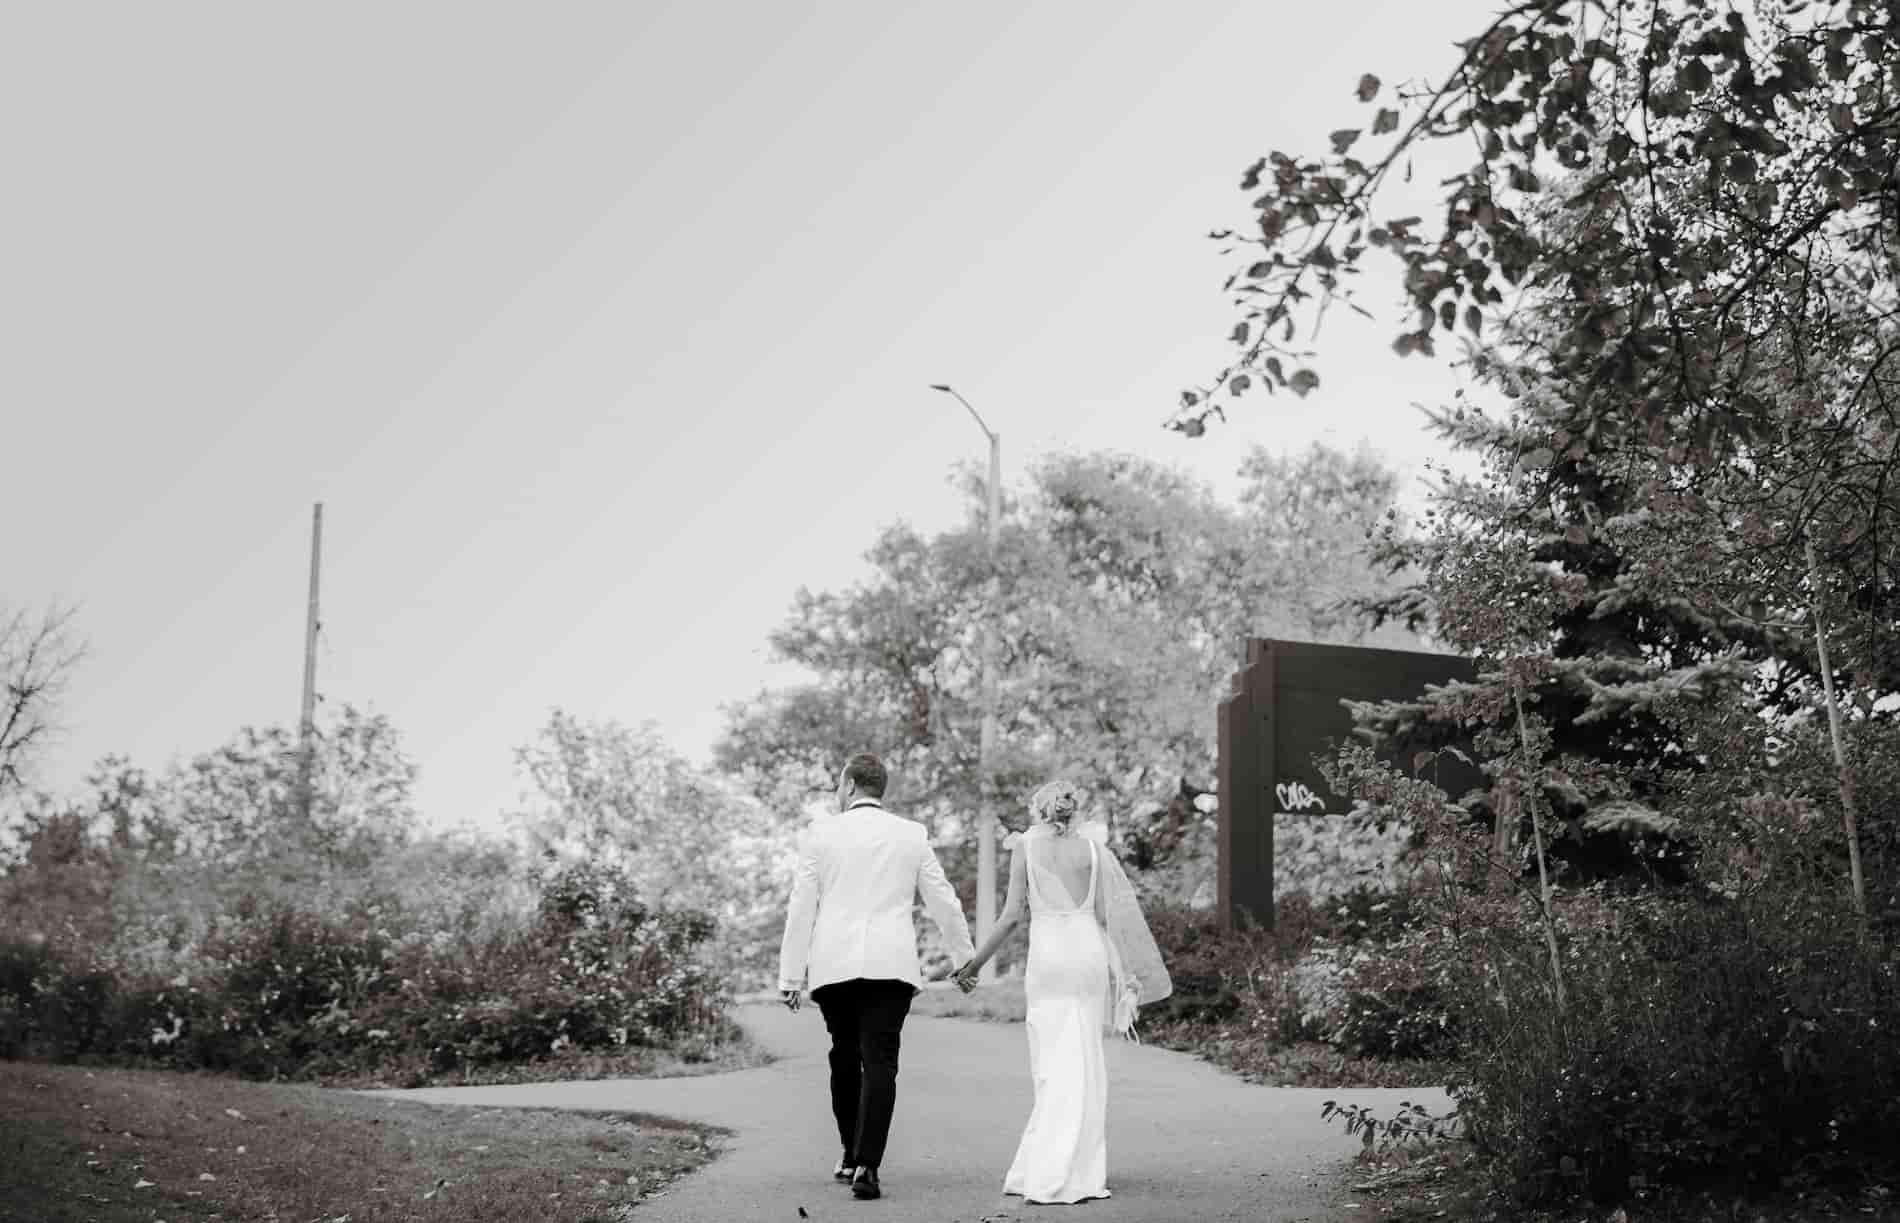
<point>849,926</point>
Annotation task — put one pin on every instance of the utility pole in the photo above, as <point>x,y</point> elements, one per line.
<point>986,744</point>
<point>306,724</point>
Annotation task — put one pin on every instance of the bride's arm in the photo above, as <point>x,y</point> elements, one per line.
<point>1011,915</point>
<point>1118,973</point>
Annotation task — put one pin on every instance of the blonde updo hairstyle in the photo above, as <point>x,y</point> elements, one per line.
<point>1056,805</point>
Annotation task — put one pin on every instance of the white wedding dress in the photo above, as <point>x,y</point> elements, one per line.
<point>1063,1156</point>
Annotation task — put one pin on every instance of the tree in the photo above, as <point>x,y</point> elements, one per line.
<point>240,799</point>
<point>1675,251</point>
<point>616,797</point>
<point>37,658</point>
<point>1126,589</point>
<point>1785,127</point>
<point>1308,519</point>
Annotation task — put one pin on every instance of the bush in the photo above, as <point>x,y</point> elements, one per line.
<point>1389,999</point>
<point>1211,968</point>
<point>1736,1042</point>
<point>277,990</point>
<point>1356,971</point>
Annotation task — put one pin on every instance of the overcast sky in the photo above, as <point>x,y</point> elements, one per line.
<point>600,329</point>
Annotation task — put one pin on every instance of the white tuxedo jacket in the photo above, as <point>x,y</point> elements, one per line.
<point>859,873</point>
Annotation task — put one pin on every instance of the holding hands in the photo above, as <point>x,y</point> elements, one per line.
<point>966,976</point>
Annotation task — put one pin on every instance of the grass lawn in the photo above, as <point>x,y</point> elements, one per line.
<point>82,1145</point>
<point>633,1062</point>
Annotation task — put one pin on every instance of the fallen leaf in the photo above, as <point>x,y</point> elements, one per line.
<point>206,1176</point>
<point>144,1184</point>
<point>232,1112</point>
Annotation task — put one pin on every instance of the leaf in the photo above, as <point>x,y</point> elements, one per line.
<point>1474,320</point>
<point>1303,381</point>
<point>1539,458</point>
<point>1387,120</point>
<point>1694,75</point>
<point>1240,333</point>
<point>1238,384</point>
<point>1368,87</point>
<point>1343,139</point>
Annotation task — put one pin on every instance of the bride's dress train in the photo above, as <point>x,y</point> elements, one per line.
<point>1063,1156</point>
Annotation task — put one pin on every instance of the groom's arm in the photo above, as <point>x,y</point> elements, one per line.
<point>940,901</point>
<point>795,948</point>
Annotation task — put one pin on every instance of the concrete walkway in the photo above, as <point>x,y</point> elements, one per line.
<point>1186,1141</point>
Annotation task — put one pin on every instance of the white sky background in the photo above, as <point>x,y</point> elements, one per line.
<point>600,329</point>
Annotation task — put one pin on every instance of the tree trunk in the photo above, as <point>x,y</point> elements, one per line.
<point>1537,836</point>
<point>1843,777</point>
<point>1504,836</point>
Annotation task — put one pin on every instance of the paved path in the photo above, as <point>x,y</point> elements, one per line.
<point>1185,1141</point>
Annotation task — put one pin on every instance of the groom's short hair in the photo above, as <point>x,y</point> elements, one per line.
<point>866,772</point>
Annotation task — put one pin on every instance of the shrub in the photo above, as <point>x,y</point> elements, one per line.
<point>275,989</point>
<point>1215,971</point>
<point>1381,999</point>
<point>1738,1042</point>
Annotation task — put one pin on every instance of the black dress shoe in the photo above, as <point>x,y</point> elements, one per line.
<point>864,1185</point>
<point>844,1171</point>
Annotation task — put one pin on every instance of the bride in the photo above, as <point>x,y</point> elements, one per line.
<point>1092,962</point>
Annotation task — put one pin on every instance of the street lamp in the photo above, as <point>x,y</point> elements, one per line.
<point>986,745</point>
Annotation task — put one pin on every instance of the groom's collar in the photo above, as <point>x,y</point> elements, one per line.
<point>865,802</point>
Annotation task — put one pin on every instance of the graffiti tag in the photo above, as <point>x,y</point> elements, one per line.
<point>1294,796</point>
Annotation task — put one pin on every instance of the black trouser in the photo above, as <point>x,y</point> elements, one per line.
<point>866,1022</point>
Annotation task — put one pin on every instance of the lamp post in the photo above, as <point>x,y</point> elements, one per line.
<point>986,745</point>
